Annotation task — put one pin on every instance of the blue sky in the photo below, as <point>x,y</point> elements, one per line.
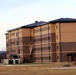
<point>14,13</point>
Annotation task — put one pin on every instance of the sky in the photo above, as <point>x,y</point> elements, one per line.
<point>15,13</point>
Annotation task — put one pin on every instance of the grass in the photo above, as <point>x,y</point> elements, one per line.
<point>41,72</point>
<point>37,69</point>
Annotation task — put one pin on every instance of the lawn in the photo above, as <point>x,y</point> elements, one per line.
<point>37,69</point>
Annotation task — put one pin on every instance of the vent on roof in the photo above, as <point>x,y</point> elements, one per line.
<point>36,21</point>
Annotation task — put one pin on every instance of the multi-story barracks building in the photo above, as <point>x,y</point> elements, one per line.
<point>43,42</point>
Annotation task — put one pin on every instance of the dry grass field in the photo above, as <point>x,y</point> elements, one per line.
<point>37,69</point>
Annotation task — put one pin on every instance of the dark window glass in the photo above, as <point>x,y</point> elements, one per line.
<point>57,36</point>
<point>18,51</point>
<point>57,47</point>
<point>16,42</point>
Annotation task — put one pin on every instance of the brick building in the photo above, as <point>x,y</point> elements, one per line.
<point>43,42</point>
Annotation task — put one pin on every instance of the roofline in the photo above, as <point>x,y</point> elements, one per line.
<point>42,24</point>
<point>63,22</point>
<point>35,26</point>
<point>6,33</point>
<point>24,27</point>
<point>15,29</point>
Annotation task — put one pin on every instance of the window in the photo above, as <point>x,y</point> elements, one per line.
<point>7,45</point>
<point>57,36</point>
<point>17,33</point>
<point>13,50</point>
<point>32,31</point>
<point>45,28</point>
<point>42,39</point>
<point>49,38</point>
<point>57,47</point>
<point>37,30</point>
<point>13,42</point>
<point>13,34</point>
<point>45,38</point>
<point>49,57</point>
<point>17,42</point>
<point>57,57</point>
<point>38,40</point>
<point>18,51</point>
<point>49,47</point>
<point>56,27</point>
<point>46,48</point>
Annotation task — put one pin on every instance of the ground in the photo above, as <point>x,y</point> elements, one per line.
<point>38,69</point>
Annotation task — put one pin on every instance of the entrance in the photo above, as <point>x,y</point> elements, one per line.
<point>71,57</point>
